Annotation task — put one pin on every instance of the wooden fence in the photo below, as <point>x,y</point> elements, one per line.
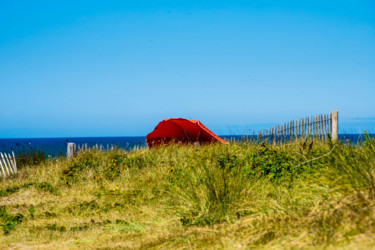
<point>316,127</point>
<point>73,148</point>
<point>8,165</point>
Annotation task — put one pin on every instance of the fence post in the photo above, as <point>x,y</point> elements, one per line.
<point>335,125</point>
<point>71,150</point>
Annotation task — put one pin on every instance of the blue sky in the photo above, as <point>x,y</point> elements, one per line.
<point>116,68</point>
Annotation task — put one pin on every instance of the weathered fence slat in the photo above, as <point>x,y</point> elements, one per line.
<point>5,164</point>
<point>14,162</point>
<point>308,126</point>
<point>303,127</point>
<point>318,126</point>
<point>325,127</point>
<point>322,126</point>
<point>3,168</point>
<point>8,164</point>
<point>315,125</point>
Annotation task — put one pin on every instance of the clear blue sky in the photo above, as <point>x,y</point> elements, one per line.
<point>116,68</point>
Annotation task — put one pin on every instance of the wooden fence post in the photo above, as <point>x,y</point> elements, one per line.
<point>71,150</point>
<point>335,125</point>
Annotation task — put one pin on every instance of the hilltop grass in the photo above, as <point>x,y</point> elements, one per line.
<point>241,195</point>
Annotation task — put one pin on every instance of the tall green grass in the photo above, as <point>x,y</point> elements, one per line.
<point>27,155</point>
<point>300,195</point>
<point>354,168</point>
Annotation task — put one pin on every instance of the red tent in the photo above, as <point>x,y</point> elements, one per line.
<point>181,130</point>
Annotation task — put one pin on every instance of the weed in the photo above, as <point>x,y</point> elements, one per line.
<point>44,186</point>
<point>79,228</point>
<point>354,169</point>
<point>55,227</point>
<point>8,220</point>
<point>28,155</point>
<point>47,187</point>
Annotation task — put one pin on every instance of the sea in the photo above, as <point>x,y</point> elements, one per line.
<point>57,146</point>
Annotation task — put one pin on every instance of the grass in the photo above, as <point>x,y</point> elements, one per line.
<point>241,195</point>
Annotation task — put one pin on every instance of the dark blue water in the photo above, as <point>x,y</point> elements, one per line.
<point>57,146</point>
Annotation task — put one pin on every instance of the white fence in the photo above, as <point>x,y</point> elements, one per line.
<point>8,164</point>
<point>73,149</point>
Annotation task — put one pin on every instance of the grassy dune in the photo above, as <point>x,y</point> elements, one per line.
<point>240,195</point>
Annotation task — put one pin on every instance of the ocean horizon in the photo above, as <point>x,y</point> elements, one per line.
<point>57,146</point>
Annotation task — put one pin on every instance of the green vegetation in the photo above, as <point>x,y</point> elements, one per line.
<point>242,195</point>
<point>27,155</point>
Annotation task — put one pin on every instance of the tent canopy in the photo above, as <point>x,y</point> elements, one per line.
<point>181,130</point>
